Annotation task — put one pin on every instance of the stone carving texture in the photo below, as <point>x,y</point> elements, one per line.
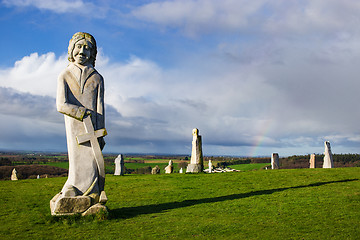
<point>80,97</point>
<point>196,163</point>
<point>119,165</point>
<point>328,158</point>
<point>275,161</point>
<point>155,170</point>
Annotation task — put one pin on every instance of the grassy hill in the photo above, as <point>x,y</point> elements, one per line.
<point>266,204</point>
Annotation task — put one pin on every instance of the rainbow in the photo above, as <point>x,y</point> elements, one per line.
<point>259,138</point>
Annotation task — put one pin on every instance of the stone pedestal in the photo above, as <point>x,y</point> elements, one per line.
<point>312,161</point>
<point>275,161</point>
<point>194,168</point>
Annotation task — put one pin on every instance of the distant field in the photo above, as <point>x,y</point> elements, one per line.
<point>272,204</point>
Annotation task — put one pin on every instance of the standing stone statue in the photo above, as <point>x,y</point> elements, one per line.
<point>181,170</point>
<point>275,161</point>
<point>14,175</point>
<point>80,97</point>
<point>119,165</point>
<point>210,166</point>
<point>312,161</point>
<point>155,170</point>
<point>328,158</point>
<point>196,161</point>
<point>169,168</point>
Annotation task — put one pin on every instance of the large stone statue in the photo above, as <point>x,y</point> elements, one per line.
<point>196,163</point>
<point>80,97</point>
<point>328,158</point>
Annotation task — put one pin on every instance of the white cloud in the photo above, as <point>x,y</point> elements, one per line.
<point>58,6</point>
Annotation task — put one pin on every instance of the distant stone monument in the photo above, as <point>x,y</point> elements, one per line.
<point>169,168</point>
<point>181,170</point>
<point>119,165</point>
<point>328,158</point>
<point>196,162</point>
<point>14,176</point>
<point>312,161</point>
<point>80,97</point>
<point>275,161</point>
<point>155,170</point>
<point>210,166</point>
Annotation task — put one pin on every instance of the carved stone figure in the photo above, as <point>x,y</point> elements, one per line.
<point>155,170</point>
<point>80,97</point>
<point>275,161</point>
<point>312,161</point>
<point>328,158</point>
<point>119,165</point>
<point>14,175</point>
<point>169,168</point>
<point>196,162</point>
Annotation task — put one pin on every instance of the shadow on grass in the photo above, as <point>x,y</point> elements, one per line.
<point>129,212</point>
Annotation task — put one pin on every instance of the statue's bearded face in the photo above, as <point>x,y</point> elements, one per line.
<point>82,52</point>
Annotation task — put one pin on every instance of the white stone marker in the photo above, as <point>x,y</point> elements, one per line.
<point>14,175</point>
<point>312,161</point>
<point>80,97</point>
<point>181,170</point>
<point>210,166</point>
<point>169,168</point>
<point>119,165</point>
<point>328,158</point>
<point>196,162</point>
<point>275,161</point>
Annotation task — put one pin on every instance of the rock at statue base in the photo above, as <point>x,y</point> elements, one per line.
<point>196,163</point>
<point>169,168</point>
<point>94,209</point>
<point>119,166</point>
<point>275,161</point>
<point>155,170</point>
<point>312,161</point>
<point>13,175</point>
<point>328,158</point>
<point>66,205</point>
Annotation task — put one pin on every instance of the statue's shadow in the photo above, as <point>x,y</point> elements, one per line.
<point>129,212</point>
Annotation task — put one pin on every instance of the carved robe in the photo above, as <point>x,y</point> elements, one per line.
<point>81,89</point>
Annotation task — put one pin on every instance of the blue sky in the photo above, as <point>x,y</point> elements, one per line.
<point>255,77</point>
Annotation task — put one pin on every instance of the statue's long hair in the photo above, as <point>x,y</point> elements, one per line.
<point>77,37</point>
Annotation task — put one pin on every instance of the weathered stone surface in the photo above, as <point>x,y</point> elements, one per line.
<point>169,168</point>
<point>196,162</point>
<point>119,165</point>
<point>155,170</point>
<point>312,161</point>
<point>94,209</point>
<point>14,175</point>
<point>275,161</point>
<point>328,158</point>
<point>70,205</point>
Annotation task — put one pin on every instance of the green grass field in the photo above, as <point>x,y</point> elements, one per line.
<point>272,204</point>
